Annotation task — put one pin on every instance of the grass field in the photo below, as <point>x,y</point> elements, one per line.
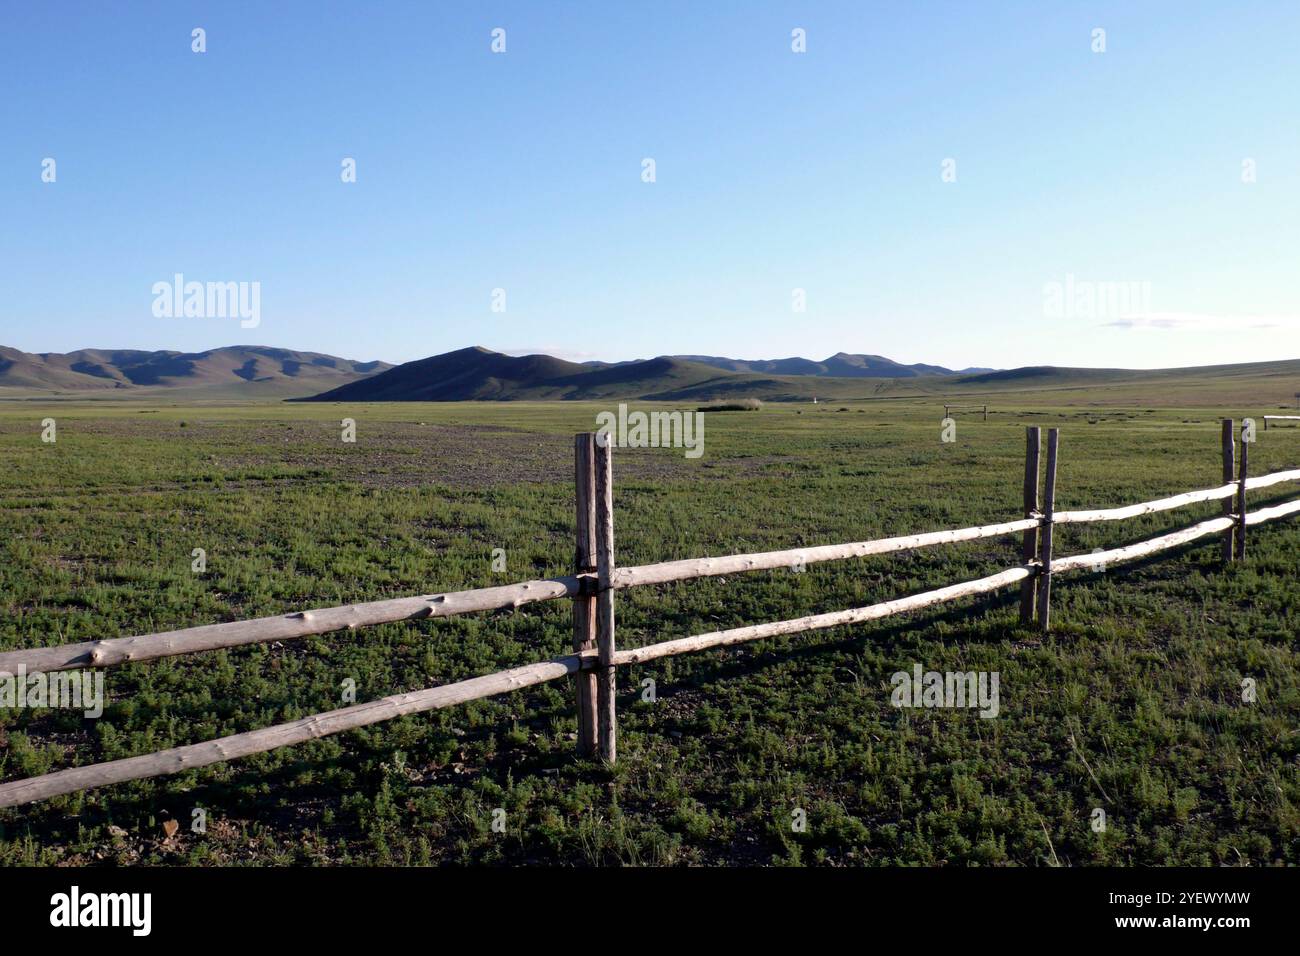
<point>1133,704</point>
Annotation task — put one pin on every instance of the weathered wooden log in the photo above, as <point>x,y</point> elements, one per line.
<point>1264,481</point>
<point>1243,463</point>
<point>584,606</point>
<point>1029,544</point>
<point>689,568</point>
<point>1145,507</point>
<point>816,622</point>
<point>1269,514</point>
<point>1280,418</point>
<point>1226,438</point>
<point>179,759</point>
<point>122,650</point>
<point>1132,552</point>
<point>1045,533</point>
<point>606,677</point>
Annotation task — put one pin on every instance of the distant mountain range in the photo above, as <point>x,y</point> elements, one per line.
<point>480,374</point>
<point>241,370</point>
<point>467,374</point>
<point>483,375</point>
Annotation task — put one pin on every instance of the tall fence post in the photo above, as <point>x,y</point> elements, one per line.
<point>1029,587</point>
<point>1229,467</point>
<point>584,605</point>
<point>1241,495</point>
<point>1045,536</point>
<point>606,719</point>
<point>986,413</point>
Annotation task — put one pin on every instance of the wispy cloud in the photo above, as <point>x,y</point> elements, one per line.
<point>555,351</point>
<point>1203,322</point>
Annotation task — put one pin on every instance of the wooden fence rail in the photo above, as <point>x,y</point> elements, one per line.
<point>947,409</point>
<point>596,657</point>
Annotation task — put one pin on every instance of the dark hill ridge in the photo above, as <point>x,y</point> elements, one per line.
<point>244,369</point>
<point>479,374</point>
<point>472,373</point>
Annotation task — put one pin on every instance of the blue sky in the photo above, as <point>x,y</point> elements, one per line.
<point>775,171</point>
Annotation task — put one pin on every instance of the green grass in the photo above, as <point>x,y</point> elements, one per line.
<point>1132,704</point>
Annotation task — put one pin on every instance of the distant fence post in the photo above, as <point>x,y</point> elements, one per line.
<point>986,413</point>
<point>584,606</point>
<point>1045,536</point>
<point>1229,466</point>
<point>1029,587</point>
<point>1241,495</point>
<point>606,719</point>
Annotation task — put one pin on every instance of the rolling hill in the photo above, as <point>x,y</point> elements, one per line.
<point>479,374</point>
<point>236,371</point>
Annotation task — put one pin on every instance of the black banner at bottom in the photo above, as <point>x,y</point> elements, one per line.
<point>144,906</point>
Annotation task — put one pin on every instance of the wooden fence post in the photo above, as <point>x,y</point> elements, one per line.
<point>986,413</point>
<point>1241,495</point>
<point>1229,466</point>
<point>1045,536</point>
<point>1029,587</point>
<point>606,720</point>
<point>584,606</point>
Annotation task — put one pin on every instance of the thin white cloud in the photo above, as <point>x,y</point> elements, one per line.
<point>555,351</point>
<point>1203,322</point>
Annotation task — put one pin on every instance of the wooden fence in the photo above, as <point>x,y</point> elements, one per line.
<point>947,410</point>
<point>592,588</point>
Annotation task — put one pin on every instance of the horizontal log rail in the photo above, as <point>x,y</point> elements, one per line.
<point>582,586</point>
<point>689,568</point>
<point>210,637</point>
<point>1150,546</point>
<point>1269,514</point>
<point>816,622</point>
<point>1265,481</point>
<point>180,759</point>
<point>1146,507</point>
